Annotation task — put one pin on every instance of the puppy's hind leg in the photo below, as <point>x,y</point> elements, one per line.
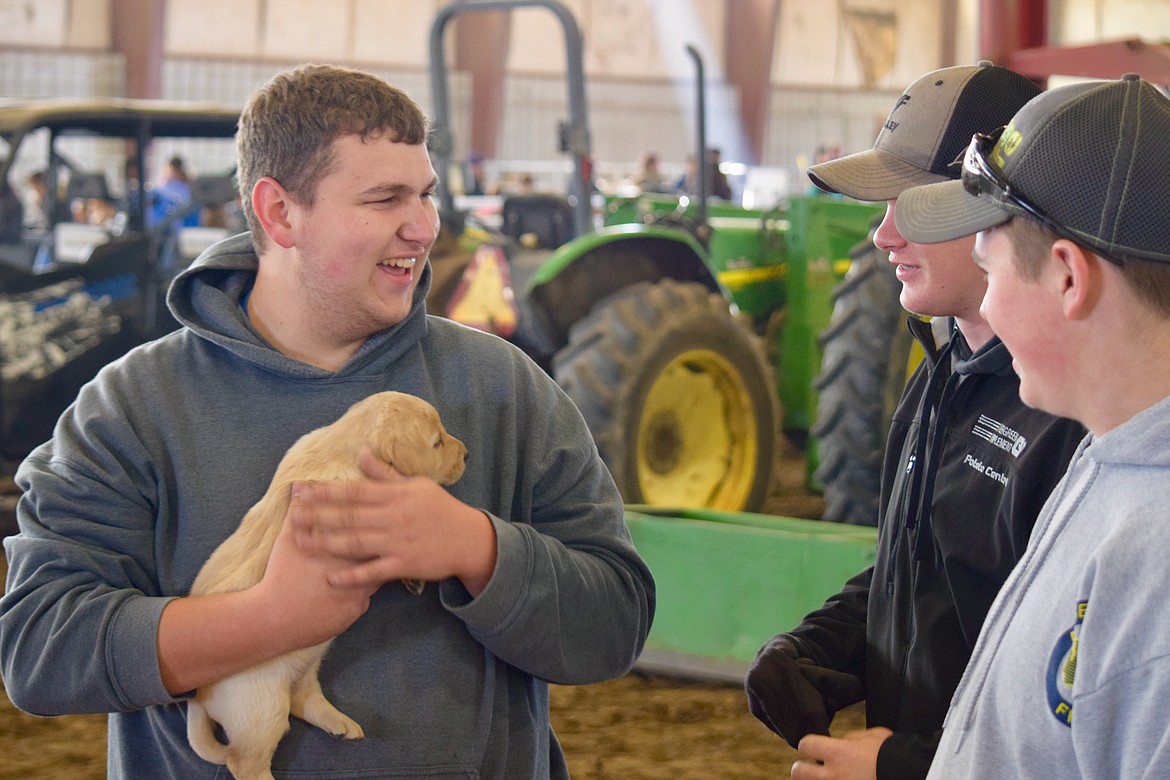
<point>310,705</point>
<point>253,710</point>
<point>251,766</point>
<point>250,755</point>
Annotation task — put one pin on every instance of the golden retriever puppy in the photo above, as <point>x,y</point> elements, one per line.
<point>253,706</point>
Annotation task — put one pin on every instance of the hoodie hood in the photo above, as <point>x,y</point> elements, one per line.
<point>1140,440</point>
<point>207,298</point>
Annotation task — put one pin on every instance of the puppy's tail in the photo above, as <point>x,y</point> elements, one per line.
<point>201,735</point>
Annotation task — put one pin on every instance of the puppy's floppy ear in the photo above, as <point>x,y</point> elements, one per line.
<point>412,436</point>
<point>381,434</point>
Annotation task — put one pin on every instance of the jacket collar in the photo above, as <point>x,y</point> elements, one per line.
<point>992,358</point>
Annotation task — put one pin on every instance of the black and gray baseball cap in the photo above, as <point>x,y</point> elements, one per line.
<point>1091,159</point>
<point>929,127</point>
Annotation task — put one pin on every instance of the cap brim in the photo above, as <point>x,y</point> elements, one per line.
<point>943,212</point>
<point>872,175</point>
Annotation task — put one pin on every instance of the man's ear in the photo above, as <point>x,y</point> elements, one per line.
<point>1078,280</point>
<point>272,204</point>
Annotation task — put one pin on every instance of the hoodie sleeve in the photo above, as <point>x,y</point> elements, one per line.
<point>570,601</point>
<point>79,617</point>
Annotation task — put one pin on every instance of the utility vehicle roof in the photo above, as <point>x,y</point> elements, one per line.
<point>119,116</point>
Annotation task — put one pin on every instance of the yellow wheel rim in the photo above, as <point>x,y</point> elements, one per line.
<point>697,441</point>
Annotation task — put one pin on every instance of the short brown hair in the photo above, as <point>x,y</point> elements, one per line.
<point>287,129</point>
<point>1032,241</point>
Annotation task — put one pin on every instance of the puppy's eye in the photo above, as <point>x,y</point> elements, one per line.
<point>438,442</point>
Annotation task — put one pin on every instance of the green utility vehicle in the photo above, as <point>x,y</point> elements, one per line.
<point>84,267</point>
<point>686,333</point>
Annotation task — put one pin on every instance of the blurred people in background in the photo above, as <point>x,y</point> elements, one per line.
<point>649,178</point>
<point>473,176</point>
<point>96,211</point>
<point>717,183</point>
<point>172,194</point>
<point>130,201</point>
<point>720,188</point>
<point>11,214</point>
<point>33,201</point>
<point>687,183</point>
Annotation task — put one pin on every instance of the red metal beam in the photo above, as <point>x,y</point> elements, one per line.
<point>1031,24</point>
<point>138,28</point>
<point>481,49</point>
<point>748,51</point>
<point>1101,60</point>
<point>1006,26</point>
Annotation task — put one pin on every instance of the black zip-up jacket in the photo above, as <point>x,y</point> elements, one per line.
<point>967,468</point>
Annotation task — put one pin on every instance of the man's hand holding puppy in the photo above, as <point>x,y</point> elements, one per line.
<point>394,527</point>
<point>292,607</point>
<point>296,605</point>
<point>301,587</point>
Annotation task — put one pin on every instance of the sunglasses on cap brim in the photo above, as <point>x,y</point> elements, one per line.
<point>981,180</point>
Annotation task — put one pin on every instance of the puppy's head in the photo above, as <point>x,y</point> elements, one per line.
<point>409,435</point>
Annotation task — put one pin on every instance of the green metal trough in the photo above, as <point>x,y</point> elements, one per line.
<point>729,581</point>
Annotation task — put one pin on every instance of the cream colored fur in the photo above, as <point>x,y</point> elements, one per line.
<point>253,706</point>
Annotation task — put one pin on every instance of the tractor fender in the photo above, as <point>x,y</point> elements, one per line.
<point>592,267</point>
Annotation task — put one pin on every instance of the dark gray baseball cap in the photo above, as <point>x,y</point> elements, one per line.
<point>928,128</point>
<point>1093,158</point>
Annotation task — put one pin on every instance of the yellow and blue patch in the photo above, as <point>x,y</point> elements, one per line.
<point>1062,669</point>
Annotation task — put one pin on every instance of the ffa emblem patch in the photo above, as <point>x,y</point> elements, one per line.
<point>1062,670</point>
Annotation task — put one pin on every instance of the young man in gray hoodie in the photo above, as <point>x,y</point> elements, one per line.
<point>1072,669</point>
<point>534,576</point>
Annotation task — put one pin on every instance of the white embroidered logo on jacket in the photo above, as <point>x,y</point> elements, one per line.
<point>1000,435</point>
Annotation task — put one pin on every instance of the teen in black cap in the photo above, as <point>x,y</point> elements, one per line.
<point>966,470</point>
<point>1072,670</point>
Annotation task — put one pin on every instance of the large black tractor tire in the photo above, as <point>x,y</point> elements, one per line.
<point>863,370</point>
<point>678,396</point>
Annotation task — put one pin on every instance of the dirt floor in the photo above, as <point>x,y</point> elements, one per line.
<point>637,727</point>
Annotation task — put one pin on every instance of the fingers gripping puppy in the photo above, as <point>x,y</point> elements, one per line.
<point>253,706</point>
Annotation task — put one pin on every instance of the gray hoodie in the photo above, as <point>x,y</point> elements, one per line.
<point>163,453</point>
<point>1071,672</point>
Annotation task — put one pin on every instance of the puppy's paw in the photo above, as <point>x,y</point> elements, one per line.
<point>344,726</point>
<point>322,714</point>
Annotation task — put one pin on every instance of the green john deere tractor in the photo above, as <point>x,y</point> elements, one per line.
<point>688,334</point>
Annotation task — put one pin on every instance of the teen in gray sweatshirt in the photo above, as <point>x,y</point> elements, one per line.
<point>534,578</point>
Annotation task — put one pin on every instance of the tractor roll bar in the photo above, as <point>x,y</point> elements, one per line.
<point>575,134</point>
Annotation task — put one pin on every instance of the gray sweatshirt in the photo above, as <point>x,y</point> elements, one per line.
<point>1072,669</point>
<point>162,454</point>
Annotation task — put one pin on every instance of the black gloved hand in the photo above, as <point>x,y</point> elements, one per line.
<point>791,695</point>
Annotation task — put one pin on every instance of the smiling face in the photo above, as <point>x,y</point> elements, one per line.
<point>1025,314</point>
<point>938,280</point>
<point>361,246</point>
